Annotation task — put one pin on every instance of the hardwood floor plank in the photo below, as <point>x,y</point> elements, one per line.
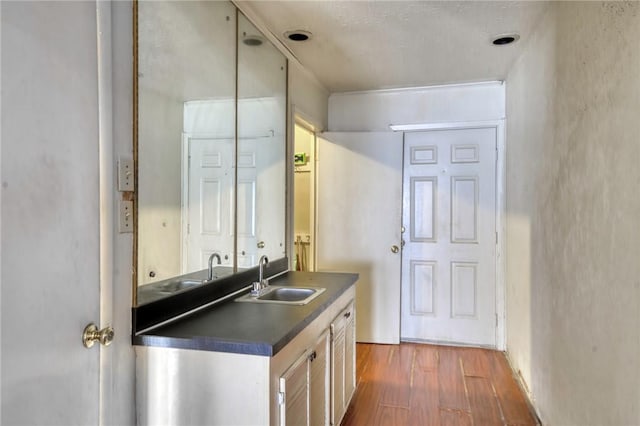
<point>363,350</point>
<point>455,418</point>
<point>483,402</point>
<point>363,406</point>
<point>390,416</point>
<point>515,408</point>
<point>452,391</point>
<point>370,382</point>
<point>426,357</point>
<point>424,408</point>
<point>397,380</point>
<point>475,362</point>
<point>375,368</point>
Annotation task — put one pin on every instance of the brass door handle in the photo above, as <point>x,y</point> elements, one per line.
<point>91,335</point>
<point>395,249</point>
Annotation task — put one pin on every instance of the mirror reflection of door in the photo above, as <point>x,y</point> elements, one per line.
<point>259,166</point>
<point>207,219</point>
<point>304,199</point>
<point>207,213</point>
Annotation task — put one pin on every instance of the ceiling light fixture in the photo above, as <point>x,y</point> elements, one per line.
<point>298,35</point>
<point>504,39</point>
<point>252,40</point>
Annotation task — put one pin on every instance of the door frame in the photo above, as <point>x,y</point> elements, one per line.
<point>500,264</point>
<point>312,191</point>
<point>298,116</point>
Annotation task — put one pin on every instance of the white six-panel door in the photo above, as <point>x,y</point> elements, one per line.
<point>359,221</point>
<point>449,220</point>
<point>208,220</point>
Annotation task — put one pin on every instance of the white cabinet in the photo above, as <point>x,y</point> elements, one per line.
<point>343,378</point>
<point>293,387</point>
<point>304,388</point>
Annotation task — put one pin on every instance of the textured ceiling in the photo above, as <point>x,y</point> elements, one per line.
<point>366,45</point>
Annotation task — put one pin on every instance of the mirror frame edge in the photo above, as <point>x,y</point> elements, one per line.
<point>134,266</point>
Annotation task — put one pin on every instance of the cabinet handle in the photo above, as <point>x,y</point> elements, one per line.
<point>313,356</point>
<point>347,315</point>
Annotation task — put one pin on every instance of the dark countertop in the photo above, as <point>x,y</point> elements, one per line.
<point>250,328</point>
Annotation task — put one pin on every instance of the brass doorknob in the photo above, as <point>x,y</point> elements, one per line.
<point>91,335</point>
<point>395,249</point>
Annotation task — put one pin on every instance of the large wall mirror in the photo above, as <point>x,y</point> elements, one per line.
<point>210,145</point>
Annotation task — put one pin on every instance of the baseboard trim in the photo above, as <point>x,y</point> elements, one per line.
<point>522,384</point>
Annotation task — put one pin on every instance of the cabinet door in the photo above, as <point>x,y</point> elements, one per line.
<point>294,394</point>
<point>349,355</point>
<point>337,369</point>
<point>342,362</point>
<point>319,382</point>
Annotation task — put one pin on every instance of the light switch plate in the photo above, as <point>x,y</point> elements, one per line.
<point>126,216</point>
<point>125,174</point>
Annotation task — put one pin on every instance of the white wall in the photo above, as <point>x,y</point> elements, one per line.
<point>375,110</point>
<point>307,97</point>
<point>573,108</point>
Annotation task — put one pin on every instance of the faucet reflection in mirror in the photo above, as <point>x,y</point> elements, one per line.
<point>210,271</point>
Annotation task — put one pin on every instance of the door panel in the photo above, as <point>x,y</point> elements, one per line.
<point>247,192</point>
<point>359,217</point>
<point>448,265</point>
<point>209,214</point>
<point>50,214</point>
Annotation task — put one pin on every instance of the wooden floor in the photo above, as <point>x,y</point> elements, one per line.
<point>428,385</point>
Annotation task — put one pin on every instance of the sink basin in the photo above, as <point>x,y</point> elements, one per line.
<point>177,285</point>
<point>284,295</point>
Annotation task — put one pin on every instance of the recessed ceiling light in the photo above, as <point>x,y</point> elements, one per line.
<point>298,35</point>
<point>503,39</point>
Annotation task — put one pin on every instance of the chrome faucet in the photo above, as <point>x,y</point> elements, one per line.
<point>210,273</point>
<point>261,284</point>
